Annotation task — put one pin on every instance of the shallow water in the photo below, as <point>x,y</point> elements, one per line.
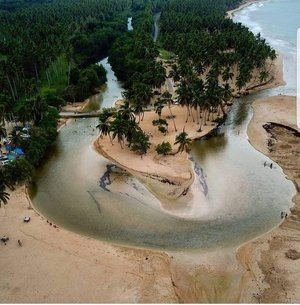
<point>244,198</point>
<point>277,21</point>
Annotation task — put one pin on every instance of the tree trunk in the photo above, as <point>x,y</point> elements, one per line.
<point>172,117</point>
<point>69,72</point>
<point>15,87</point>
<point>187,114</point>
<point>192,114</point>
<point>36,72</point>
<point>110,139</point>
<point>11,88</point>
<point>48,79</point>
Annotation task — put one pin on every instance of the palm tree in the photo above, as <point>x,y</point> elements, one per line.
<point>3,133</point>
<point>138,109</point>
<point>167,98</point>
<point>184,142</point>
<point>263,76</point>
<point>227,74</point>
<point>141,143</point>
<point>185,97</point>
<point>126,112</point>
<point>159,107</point>
<point>164,148</point>
<point>130,128</point>
<point>117,128</point>
<point>4,197</point>
<point>104,127</point>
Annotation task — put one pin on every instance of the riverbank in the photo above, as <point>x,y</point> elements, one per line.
<point>66,267</point>
<point>74,268</point>
<point>271,261</point>
<point>172,176</point>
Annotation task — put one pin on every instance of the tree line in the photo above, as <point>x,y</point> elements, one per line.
<point>208,49</point>
<point>48,52</point>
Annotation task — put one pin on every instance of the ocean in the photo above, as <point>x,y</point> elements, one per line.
<point>277,21</point>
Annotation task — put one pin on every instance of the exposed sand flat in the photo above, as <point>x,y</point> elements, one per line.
<point>174,171</point>
<point>272,261</point>
<point>55,265</point>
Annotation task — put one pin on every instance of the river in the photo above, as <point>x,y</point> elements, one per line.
<point>81,191</point>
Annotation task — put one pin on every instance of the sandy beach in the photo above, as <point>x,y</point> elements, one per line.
<point>246,3</point>
<point>55,265</point>
<point>171,176</point>
<point>271,261</point>
<point>65,267</point>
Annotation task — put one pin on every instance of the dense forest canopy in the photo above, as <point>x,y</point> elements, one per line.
<point>49,51</point>
<point>212,57</point>
<point>48,56</point>
<point>198,31</point>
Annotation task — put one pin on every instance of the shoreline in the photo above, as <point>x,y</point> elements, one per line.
<point>230,14</point>
<point>267,257</point>
<point>96,271</point>
<point>176,170</point>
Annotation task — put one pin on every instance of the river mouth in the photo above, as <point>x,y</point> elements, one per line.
<point>81,191</point>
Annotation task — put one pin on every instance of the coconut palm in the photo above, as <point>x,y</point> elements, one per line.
<point>164,148</point>
<point>4,197</point>
<point>167,99</point>
<point>138,109</point>
<point>184,142</point>
<point>117,128</point>
<point>159,105</point>
<point>126,112</point>
<point>141,143</point>
<point>104,127</point>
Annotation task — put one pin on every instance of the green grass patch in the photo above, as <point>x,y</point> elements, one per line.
<point>164,54</point>
<point>58,76</point>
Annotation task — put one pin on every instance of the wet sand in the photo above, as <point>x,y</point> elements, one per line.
<point>272,261</point>
<point>55,265</point>
<point>171,176</point>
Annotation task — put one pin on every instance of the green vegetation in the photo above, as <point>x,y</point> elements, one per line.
<point>164,148</point>
<point>183,141</point>
<point>164,54</point>
<point>48,51</point>
<point>203,48</point>
<point>121,124</point>
<point>133,58</point>
<point>48,55</point>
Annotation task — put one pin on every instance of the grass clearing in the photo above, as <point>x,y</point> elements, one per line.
<point>58,76</point>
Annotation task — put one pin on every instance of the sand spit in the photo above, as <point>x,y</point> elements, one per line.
<point>172,176</point>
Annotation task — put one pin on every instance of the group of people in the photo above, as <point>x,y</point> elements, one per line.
<point>266,164</point>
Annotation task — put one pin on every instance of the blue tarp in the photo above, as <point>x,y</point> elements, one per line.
<point>19,151</point>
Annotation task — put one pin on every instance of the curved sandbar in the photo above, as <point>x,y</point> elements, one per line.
<point>172,176</point>
<point>169,175</point>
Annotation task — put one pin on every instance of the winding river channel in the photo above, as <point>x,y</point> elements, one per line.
<point>80,190</point>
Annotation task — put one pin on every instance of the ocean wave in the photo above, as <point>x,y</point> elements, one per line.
<point>245,17</point>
